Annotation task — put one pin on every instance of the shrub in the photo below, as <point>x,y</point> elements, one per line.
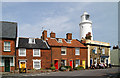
<point>52,68</point>
<point>79,67</point>
<point>62,68</point>
<point>68,67</point>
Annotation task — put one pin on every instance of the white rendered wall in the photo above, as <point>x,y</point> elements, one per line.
<point>84,29</point>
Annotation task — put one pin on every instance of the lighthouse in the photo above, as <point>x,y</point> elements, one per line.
<point>85,26</point>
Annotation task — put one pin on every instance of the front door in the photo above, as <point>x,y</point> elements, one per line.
<point>56,64</point>
<point>83,64</point>
<point>71,63</point>
<point>7,65</point>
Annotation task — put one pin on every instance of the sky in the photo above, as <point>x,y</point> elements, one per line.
<point>62,18</point>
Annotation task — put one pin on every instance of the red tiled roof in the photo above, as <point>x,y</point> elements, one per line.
<point>74,43</point>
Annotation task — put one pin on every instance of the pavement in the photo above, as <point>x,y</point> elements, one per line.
<point>113,72</point>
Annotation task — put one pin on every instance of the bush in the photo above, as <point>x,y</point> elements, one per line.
<point>68,67</point>
<point>79,67</point>
<point>62,68</point>
<point>52,68</point>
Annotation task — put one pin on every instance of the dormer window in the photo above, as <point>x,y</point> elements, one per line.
<point>60,40</point>
<point>31,40</point>
<point>68,41</point>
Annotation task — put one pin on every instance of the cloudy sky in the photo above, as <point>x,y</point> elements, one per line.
<point>63,17</point>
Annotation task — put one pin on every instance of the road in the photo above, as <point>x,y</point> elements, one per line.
<point>108,73</point>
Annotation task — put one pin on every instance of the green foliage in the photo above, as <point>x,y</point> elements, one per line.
<point>79,68</point>
<point>52,68</point>
<point>67,67</point>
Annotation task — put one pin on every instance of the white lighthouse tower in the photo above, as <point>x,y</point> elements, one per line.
<point>85,26</point>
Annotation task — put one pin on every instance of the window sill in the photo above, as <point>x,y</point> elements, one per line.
<point>63,54</point>
<point>6,51</point>
<point>77,54</point>
<point>37,56</point>
<point>22,56</point>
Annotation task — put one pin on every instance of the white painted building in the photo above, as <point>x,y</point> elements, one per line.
<point>85,26</point>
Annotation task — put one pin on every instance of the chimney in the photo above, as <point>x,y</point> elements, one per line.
<point>52,35</point>
<point>88,36</point>
<point>69,36</point>
<point>44,34</point>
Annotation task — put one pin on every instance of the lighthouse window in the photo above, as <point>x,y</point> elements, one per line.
<point>87,17</point>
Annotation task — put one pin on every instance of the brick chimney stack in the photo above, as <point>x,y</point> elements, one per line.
<point>52,35</point>
<point>44,34</point>
<point>69,36</point>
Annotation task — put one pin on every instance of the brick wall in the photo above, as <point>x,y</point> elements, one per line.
<point>12,44</point>
<point>45,58</point>
<point>56,55</point>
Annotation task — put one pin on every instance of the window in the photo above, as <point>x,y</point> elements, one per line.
<point>77,63</point>
<point>63,62</point>
<point>31,40</point>
<point>103,51</point>
<point>77,51</point>
<point>87,17</point>
<point>22,52</point>
<point>36,64</point>
<point>1,62</point>
<point>7,46</point>
<point>11,61</point>
<point>60,40</point>
<point>63,51</point>
<point>36,52</point>
<point>95,50</point>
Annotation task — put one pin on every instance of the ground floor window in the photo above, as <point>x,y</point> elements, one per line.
<point>63,62</point>
<point>36,64</point>
<point>77,63</point>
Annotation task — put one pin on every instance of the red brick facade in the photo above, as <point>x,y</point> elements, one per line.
<point>45,58</point>
<point>7,55</point>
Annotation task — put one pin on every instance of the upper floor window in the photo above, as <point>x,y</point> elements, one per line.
<point>60,40</point>
<point>103,51</point>
<point>31,40</point>
<point>22,52</point>
<point>36,52</point>
<point>7,46</point>
<point>77,51</point>
<point>63,51</point>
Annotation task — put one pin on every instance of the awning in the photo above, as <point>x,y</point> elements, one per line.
<point>104,56</point>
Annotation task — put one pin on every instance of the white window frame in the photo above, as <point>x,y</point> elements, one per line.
<point>63,49</point>
<point>30,41</point>
<point>37,55</point>
<point>39,63</point>
<point>7,46</point>
<point>75,62</point>
<point>103,52</point>
<point>19,52</point>
<point>77,49</point>
<point>60,40</point>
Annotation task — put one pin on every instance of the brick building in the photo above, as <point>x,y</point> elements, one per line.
<point>66,51</point>
<point>8,36</point>
<point>32,53</point>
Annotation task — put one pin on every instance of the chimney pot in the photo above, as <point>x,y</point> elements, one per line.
<point>69,36</point>
<point>52,35</point>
